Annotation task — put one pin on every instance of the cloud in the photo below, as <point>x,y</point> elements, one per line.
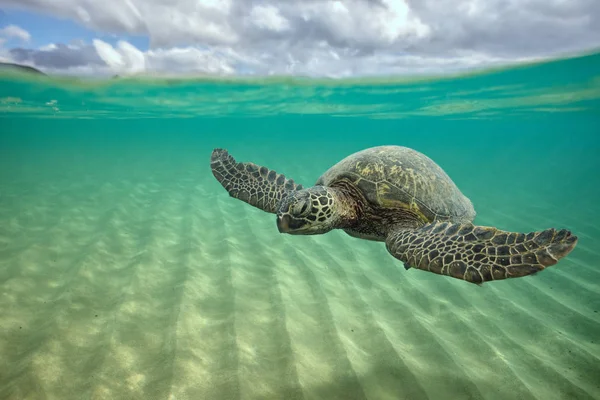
<point>13,31</point>
<point>125,58</point>
<point>268,17</point>
<point>510,28</point>
<point>190,60</point>
<point>101,58</point>
<point>325,37</point>
<point>58,56</point>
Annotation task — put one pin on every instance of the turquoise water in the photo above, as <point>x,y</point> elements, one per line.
<point>127,272</point>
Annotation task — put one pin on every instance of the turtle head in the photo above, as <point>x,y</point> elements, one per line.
<point>308,212</point>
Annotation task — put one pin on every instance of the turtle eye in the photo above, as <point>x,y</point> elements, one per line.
<point>301,208</point>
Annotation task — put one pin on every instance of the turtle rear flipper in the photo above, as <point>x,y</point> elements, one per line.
<point>478,254</point>
<point>256,185</point>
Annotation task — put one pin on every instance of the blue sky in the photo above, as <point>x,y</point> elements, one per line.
<point>283,37</point>
<point>46,29</point>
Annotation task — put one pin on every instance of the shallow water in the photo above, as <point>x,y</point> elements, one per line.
<point>126,271</point>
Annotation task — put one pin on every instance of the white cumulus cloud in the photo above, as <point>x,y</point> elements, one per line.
<point>125,58</point>
<point>13,31</point>
<point>268,17</point>
<point>317,37</point>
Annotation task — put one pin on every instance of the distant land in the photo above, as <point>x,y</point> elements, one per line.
<point>23,68</point>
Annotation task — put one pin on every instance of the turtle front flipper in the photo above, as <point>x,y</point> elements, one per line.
<point>256,185</point>
<point>476,253</point>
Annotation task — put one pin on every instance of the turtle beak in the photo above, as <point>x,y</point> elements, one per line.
<point>283,223</point>
<point>287,224</point>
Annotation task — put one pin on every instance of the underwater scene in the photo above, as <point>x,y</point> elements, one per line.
<point>127,270</point>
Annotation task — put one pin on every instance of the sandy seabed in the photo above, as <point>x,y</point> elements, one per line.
<point>160,286</point>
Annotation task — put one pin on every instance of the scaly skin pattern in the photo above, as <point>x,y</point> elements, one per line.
<point>253,184</point>
<point>396,177</point>
<point>397,195</point>
<point>476,253</point>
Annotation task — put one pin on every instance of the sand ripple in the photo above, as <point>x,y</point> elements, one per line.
<point>159,287</point>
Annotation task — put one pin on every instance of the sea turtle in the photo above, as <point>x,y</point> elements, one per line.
<point>399,196</point>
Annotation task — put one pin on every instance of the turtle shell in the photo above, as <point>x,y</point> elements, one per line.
<point>400,177</point>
